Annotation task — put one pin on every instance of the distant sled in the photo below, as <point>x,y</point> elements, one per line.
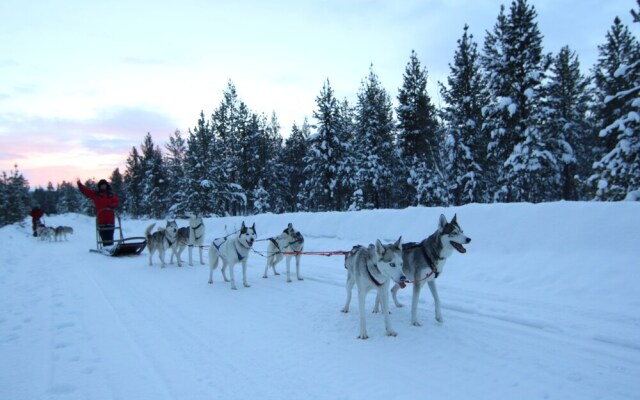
<point>123,246</point>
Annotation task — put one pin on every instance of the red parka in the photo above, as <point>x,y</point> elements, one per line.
<point>103,200</point>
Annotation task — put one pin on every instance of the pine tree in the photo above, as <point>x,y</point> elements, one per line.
<point>176,175</point>
<point>376,140</point>
<point>70,198</point>
<point>203,178</point>
<point>323,155</point>
<point>229,124</point>
<point>292,159</point>
<point>133,184</point>
<point>567,99</point>
<point>465,97</point>
<point>515,67</point>
<point>419,138</point>
<point>155,184</point>
<point>617,74</point>
<point>14,197</point>
<point>350,153</point>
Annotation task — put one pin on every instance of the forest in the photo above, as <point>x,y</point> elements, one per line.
<point>516,125</point>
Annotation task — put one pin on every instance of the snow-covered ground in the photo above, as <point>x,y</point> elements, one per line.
<point>545,304</point>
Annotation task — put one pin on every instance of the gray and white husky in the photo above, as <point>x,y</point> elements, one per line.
<point>424,261</point>
<point>162,240</point>
<point>192,235</point>
<point>62,232</point>
<point>290,240</point>
<point>374,267</point>
<point>232,250</point>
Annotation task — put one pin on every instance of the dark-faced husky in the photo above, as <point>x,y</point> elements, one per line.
<point>62,232</point>
<point>424,261</point>
<point>191,236</point>
<point>162,240</point>
<point>289,241</point>
<point>231,251</point>
<point>373,267</point>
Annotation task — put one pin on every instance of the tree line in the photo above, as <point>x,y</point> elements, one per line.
<point>517,125</point>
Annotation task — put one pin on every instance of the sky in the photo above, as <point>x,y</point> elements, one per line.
<point>82,82</point>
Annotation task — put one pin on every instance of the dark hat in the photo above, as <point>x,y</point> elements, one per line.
<point>103,181</point>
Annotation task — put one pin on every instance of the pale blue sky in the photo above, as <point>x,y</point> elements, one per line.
<point>82,82</point>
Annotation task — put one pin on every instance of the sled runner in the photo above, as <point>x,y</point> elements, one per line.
<point>121,246</point>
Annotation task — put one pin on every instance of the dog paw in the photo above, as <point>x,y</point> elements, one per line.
<point>300,279</point>
<point>416,323</point>
<point>363,337</point>
<point>277,273</point>
<point>247,285</point>
<point>265,276</point>
<point>289,280</point>
<point>234,288</point>
<point>345,310</point>
<point>392,333</point>
<point>210,282</point>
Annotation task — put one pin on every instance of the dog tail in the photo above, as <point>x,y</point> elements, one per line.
<point>147,233</point>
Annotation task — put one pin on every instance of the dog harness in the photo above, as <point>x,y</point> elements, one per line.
<point>431,263</point>
<point>375,281</point>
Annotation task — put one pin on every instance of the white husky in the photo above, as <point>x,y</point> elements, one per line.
<point>232,250</point>
<point>374,267</point>
<point>162,240</point>
<point>289,241</point>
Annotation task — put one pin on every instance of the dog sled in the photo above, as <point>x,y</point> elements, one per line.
<point>121,246</point>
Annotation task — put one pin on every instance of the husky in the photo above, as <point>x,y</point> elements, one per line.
<point>196,235</point>
<point>290,240</point>
<point>61,232</point>
<point>45,233</point>
<point>182,241</point>
<point>373,267</point>
<point>162,240</point>
<point>192,235</point>
<point>232,251</point>
<point>424,261</point>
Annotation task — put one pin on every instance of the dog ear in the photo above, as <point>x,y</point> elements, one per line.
<point>398,243</point>
<point>455,219</point>
<point>243,228</point>
<point>379,247</point>
<point>443,222</point>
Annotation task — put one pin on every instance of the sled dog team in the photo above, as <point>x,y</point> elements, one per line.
<point>375,266</point>
<point>54,234</point>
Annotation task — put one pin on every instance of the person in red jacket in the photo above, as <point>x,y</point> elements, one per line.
<point>36,213</point>
<point>105,201</point>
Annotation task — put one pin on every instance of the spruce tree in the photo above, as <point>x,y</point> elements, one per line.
<point>617,74</point>
<point>566,104</point>
<point>155,185</point>
<point>175,156</point>
<point>133,184</point>
<point>465,97</point>
<point>323,155</point>
<point>292,159</point>
<point>204,178</point>
<point>376,141</point>
<point>419,138</point>
<point>515,67</point>
<point>15,197</point>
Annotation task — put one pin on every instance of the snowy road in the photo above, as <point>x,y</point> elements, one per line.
<point>531,312</point>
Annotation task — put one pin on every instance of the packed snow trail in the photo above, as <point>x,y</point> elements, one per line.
<point>543,305</point>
